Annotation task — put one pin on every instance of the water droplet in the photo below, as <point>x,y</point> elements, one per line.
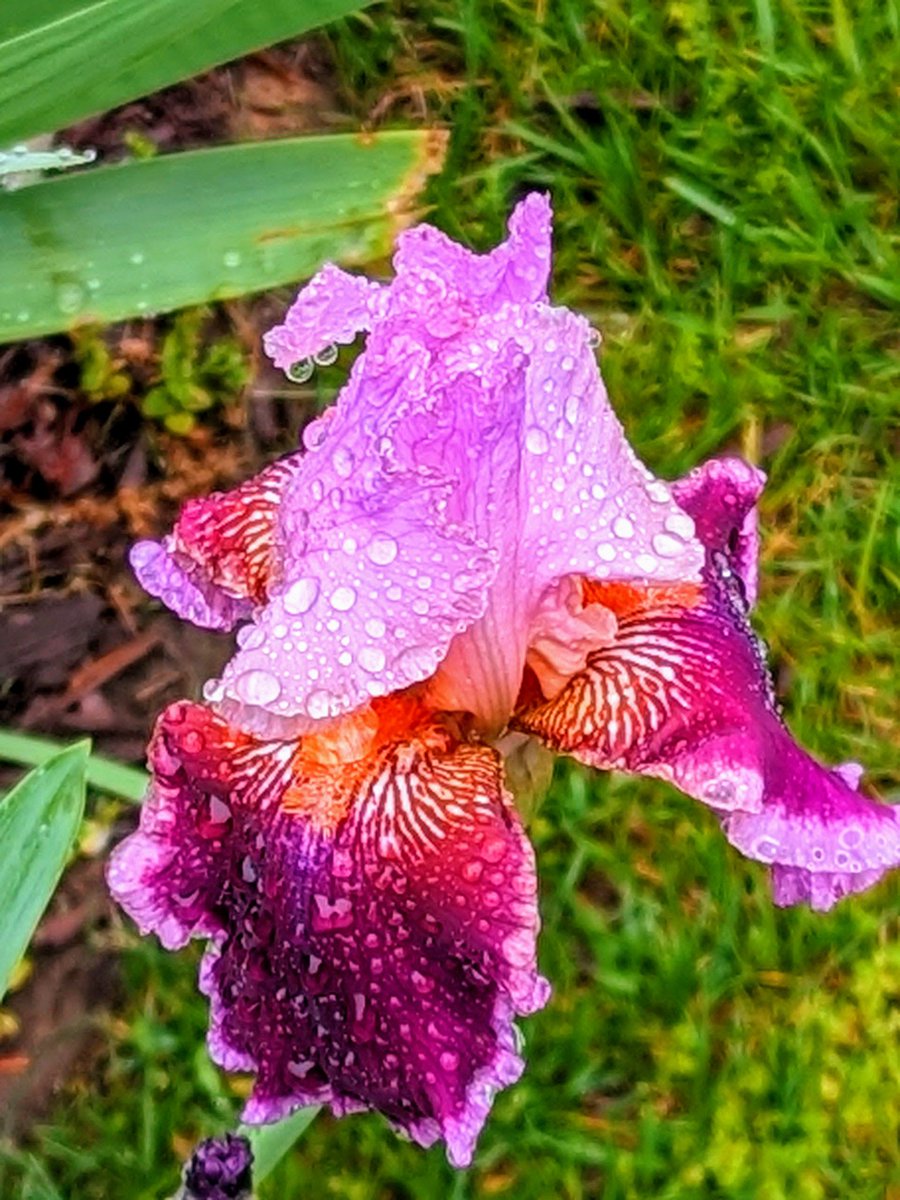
<point>250,637</point>
<point>342,598</point>
<point>137,258</point>
<point>449,1061</point>
<point>594,338</point>
<point>646,563</point>
<point>300,371</point>
<point>372,659</point>
<point>257,687</point>
<point>301,595</point>
<point>623,528</point>
<point>416,662</point>
<point>680,524</point>
<point>69,297</point>
<point>382,550</point>
<point>666,546</point>
<point>375,627</point>
<point>326,356</point>
<point>536,440</point>
<point>658,492</point>
<point>320,704</point>
<point>571,407</point>
<point>342,461</point>
<point>606,551</point>
<point>232,258</point>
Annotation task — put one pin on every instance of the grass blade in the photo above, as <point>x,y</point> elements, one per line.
<point>154,235</point>
<point>39,820</point>
<point>120,49</point>
<point>270,1143</point>
<point>105,774</point>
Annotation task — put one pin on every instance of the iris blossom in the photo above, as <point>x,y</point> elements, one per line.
<point>465,560</point>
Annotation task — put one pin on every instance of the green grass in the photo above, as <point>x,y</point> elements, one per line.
<point>725,178</point>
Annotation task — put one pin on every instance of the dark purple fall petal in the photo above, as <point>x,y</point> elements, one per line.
<point>373,925</point>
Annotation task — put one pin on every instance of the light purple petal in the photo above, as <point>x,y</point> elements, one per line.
<point>332,307</point>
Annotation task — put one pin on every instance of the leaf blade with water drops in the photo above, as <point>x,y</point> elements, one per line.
<point>39,821</point>
<point>159,234</point>
<point>143,45</point>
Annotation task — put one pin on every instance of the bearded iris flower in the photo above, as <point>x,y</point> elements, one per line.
<point>465,560</point>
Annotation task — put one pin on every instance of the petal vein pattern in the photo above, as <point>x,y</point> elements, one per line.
<point>683,693</point>
<point>373,925</point>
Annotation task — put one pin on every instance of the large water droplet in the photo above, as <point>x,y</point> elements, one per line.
<point>375,627</point>
<point>321,704</point>
<point>257,687</point>
<point>536,440</point>
<point>342,461</point>
<point>372,659</point>
<point>300,371</point>
<point>69,297</point>
<point>382,550</point>
<point>301,595</point>
<point>666,546</point>
<point>623,528</point>
<point>342,598</point>
<point>416,662</point>
<point>680,524</point>
<point>326,356</point>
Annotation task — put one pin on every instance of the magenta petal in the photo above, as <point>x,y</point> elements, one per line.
<point>682,692</point>
<point>373,928</point>
<point>720,496</point>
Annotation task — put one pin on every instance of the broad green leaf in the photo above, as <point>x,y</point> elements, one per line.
<point>61,60</point>
<point>39,820</point>
<point>270,1143</point>
<point>158,234</point>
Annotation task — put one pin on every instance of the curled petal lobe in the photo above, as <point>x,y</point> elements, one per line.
<point>517,270</point>
<point>333,307</point>
<point>720,496</point>
<point>682,692</point>
<point>218,562</point>
<point>373,924</point>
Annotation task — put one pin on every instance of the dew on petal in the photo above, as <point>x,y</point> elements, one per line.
<point>667,546</point>
<point>300,371</point>
<point>382,550</point>
<point>623,528</point>
<point>257,687</point>
<point>342,461</point>
<point>375,627</point>
<point>371,658</point>
<point>681,525</point>
<point>342,598</point>
<point>320,704</point>
<point>301,595</point>
<point>536,440</point>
